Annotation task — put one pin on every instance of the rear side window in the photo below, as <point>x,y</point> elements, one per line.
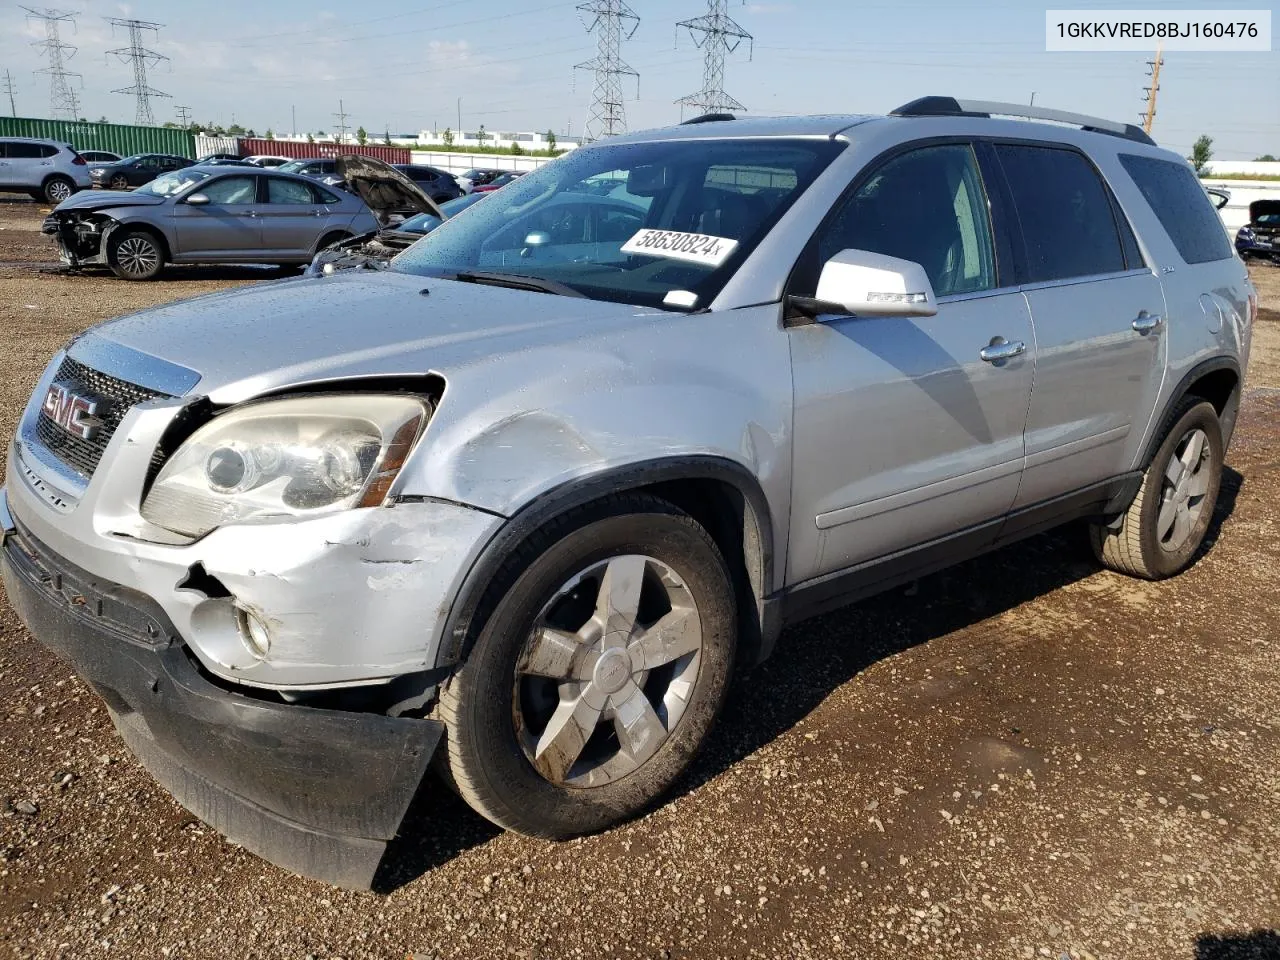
<point>280,190</point>
<point>1181,206</point>
<point>1067,221</point>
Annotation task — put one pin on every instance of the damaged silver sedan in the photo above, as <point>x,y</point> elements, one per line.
<point>204,215</point>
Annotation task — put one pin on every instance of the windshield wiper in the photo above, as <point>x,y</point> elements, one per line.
<point>516,281</point>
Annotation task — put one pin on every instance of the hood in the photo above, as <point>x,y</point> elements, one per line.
<point>257,339</point>
<point>383,188</point>
<point>87,201</point>
<point>1262,208</point>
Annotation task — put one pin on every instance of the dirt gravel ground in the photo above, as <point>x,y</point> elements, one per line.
<point>1024,756</point>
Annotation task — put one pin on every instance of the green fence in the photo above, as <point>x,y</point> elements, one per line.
<point>116,137</point>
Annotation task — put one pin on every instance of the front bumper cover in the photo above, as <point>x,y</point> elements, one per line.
<point>318,792</point>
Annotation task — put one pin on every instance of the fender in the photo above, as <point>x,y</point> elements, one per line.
<point>758,638</point>
<point>1133,482</point>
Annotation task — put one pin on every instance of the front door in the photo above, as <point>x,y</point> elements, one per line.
<point>226,228</point>
<point>1099,317</point>
<point>903,434</point>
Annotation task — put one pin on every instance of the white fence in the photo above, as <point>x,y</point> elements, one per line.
<point>460,162</point>
<point>1244,168</point>
<point>207,145</point>
<point>1243,192</point>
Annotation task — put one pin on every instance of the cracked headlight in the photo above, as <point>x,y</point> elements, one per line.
<point>279,459</point>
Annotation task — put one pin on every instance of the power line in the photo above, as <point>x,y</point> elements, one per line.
<point>8,88</point>
<point>62,98</point>
<point>1149,115</point>
<point>139,56</point>
<point>612,21</point>
<point>716,33</point>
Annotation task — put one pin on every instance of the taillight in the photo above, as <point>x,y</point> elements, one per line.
<point>78,161</point>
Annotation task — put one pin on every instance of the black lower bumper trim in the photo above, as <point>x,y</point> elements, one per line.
<point>319,792</point>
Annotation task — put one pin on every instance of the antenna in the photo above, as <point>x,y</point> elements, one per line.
<point>718,36</point>
<point>140,56</point>
<point>62,99</point>
<point>8,88</point>
<point>612,21</point>
<point>1153,71</point>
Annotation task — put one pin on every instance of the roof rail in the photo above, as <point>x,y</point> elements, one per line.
<point>951,107</point>
<point>708,118</point>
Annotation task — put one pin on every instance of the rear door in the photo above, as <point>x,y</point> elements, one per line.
<point>24,161</point>
<point>1098,312</point>
<point>293,217</point>
<point>903,435</point>
<point>228,227</point>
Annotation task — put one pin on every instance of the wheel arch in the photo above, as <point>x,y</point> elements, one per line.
<point>141,225</point>
<point>720,494</point>
<point>1216,380</point>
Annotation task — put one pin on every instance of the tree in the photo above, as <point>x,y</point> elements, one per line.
<point>1265,158</point>
<point>447,137</point>
<point>235,130</point>
<point>551,141</point>
<point>270,134</point>
<point>320,135</point>
<point>386,138</point>
<point>310,138</point>
<point>250,133</point>
<point>516,149</point>
<point>103,119</point>
<point>362,136</point>
<point>1201,153</point>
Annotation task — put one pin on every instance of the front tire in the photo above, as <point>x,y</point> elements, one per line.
<point>134,255</point>
<point>119,182</point>
<point>1165,525</point>
<point>599,672</point>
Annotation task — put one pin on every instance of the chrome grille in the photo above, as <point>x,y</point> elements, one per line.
<point>118,396</point>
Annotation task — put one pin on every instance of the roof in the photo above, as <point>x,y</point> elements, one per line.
<point>749,127</point>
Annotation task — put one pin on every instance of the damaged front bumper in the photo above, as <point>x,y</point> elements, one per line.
<point>316,791</point>
<point>81,237</point>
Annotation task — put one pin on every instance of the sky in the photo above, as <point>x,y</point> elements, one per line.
<point>403,64</point>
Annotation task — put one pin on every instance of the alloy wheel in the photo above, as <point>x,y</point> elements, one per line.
<point>137,256</point>
<point>1182,493</point>
<point>607,671</point>
<point>58,190</point>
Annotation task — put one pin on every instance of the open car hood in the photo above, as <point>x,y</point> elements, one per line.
<point>384,189</point>
<point>1261,208</point>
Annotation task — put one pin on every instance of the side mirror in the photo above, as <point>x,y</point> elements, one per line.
<point>868,284</point>
<point>197,199</point>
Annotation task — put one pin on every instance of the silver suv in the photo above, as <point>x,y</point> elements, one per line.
<point>46,169</point>
<point>525,499</point>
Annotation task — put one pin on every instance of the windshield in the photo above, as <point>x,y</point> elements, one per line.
<point>293,166</point>
<point>426,222</point>
<point>652,224</point>
<point>168,184</point>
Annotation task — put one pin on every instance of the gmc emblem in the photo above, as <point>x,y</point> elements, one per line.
<point>73,412</point>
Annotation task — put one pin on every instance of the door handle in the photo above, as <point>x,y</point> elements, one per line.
<point>1000,349</point>
<point>249,213</point>
<point>1146,322</point>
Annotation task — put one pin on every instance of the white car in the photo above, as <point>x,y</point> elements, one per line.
<point>267,160</point>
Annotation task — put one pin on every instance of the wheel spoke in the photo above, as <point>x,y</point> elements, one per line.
<point>619,598</point>
<point>670,638</point>
<point>566,733</point>
<point>1173,471</point>
<point>640,731</point>
<point>1198,484</point>
<point>1165,521</point>
<point>1191,455</point>
<point>1181,525</point>
<point>553,653</point>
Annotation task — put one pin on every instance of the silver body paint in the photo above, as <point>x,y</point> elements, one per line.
<point>865,436</point>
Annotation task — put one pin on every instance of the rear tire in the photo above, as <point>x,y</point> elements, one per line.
<point>57,189</point>
<point>598,673</point>
<point>1161,532</point>
<point>134,254</point>
<point>119,182</point>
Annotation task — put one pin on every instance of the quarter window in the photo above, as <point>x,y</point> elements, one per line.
<point>1067,222</point>
<point>927,206</point>
<point>1182,207</point>
<point>24,151</point>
